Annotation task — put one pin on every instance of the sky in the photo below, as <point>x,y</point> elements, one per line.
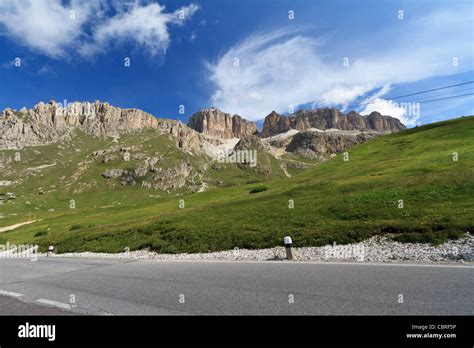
<point>246,57</point>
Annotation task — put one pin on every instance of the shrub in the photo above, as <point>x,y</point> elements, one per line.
<point>258,189</point>
<point>41,233</point>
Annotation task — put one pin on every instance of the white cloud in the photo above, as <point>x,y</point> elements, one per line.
<point>408,114</point>
<point>45,26</point>
<point>145,25</point>
<point>272,72</point>
<point>286,67</point>
<point>344,95</point>
<point>57,29</point>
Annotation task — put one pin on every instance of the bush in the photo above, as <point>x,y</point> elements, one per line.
<point>41,233</point>
<point>258,189</point>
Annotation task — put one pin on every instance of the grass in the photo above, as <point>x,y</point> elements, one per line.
<point>335,201</point>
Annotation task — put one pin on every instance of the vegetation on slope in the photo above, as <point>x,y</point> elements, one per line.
<point>404,183</point>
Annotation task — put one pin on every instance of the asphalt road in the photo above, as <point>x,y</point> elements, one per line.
<point>118,287</point>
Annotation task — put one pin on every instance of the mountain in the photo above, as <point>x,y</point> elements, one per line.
<point>208,131</point>
<point>215,123</point>
<point>109,146</point>
<point>85,146</point>
<point>326,118</point>
<point>50,122</point>
<point>415,185</point>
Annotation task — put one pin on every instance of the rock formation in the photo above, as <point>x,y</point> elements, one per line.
<point>326,118</point>
<point>215,123</point>
<point>49,122</point>
<point>250,142</point>
<point>275,124</point>
<point>317,134</point>
<point>320,145</point>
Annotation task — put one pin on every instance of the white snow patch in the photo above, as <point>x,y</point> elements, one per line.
<point>287,134</point>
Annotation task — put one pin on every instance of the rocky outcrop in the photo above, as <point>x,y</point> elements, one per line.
<point>251,142</point>
<point>215,123</point>
<point>114,173</point>
<point>326,118</point>
<point>187,139</point>
<point>173,177</point>
<point>50,122</point>
<point>320,145</point>
<point>275,124</point>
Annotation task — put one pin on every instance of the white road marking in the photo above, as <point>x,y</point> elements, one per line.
<point>55,303</point>
<point>10,293</point>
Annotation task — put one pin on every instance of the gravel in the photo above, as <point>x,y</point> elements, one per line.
<point>374,249</point>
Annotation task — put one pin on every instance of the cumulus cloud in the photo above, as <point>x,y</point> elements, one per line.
<point>394,109</point>
<point>266,71</point>
<point>145,25</point>
<point>46,26</point>
<point>284,68</point>
<point>59,29</point>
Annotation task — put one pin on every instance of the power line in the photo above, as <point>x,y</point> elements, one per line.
<point>444,77</point>
<point>412,94</point>
<point>436,99</point>
<point>450,93</point>
<point>434,89</point>
<point>454,96</point>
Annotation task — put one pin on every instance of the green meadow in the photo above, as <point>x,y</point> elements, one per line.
<point>416,185</point>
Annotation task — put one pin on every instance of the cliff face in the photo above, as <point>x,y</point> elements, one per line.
<point>275,124</point>
<point>49,122</point>
<point>329,118</point>
<point>215,123</point>
<point>320,145</point>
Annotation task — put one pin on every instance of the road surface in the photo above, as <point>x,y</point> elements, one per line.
<point>126,287</point>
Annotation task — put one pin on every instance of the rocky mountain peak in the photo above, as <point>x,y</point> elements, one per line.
<point>327,118</point>
<point>49,122</point>
<point>275,124</point>
<point>216,123</point>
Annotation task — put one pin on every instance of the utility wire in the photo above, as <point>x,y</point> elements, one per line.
<point>454,96</point>
<point>434,89</point>
<point>450,93</point>
<point>412,94</point>
<point>451,76</point>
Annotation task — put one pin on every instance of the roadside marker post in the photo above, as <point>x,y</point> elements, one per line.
<point>50,250</point>
<point>288,246</point>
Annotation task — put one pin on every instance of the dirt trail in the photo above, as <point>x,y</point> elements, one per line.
<point>283,167</point>
<point>12,227</point>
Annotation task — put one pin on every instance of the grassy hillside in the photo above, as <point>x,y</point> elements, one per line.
<point>341,201</point>
<point>48,177</point>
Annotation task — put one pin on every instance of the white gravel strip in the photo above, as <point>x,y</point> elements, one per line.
<point>374,249</point>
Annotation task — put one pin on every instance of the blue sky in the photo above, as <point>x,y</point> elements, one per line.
<point>245,57</point>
